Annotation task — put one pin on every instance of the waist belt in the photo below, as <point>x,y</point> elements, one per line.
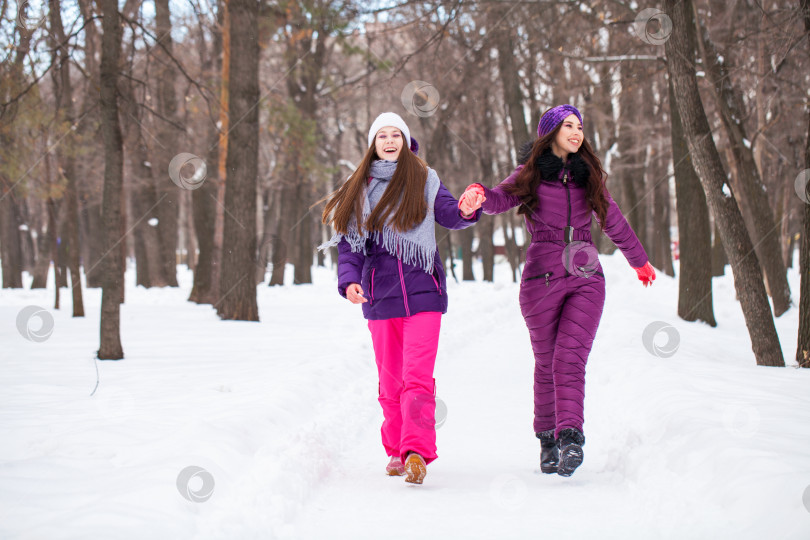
<point>567,235</point>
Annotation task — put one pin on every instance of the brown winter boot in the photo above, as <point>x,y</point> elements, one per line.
<point>415,468</point>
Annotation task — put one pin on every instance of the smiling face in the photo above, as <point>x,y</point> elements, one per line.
<point>569,138</point>
<point>388,143</point>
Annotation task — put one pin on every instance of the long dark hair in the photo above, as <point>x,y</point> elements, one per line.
<point>529,177</point>
<point>404,196</point>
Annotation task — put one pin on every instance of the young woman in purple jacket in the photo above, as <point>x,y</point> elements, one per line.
<point>558,186</point>
<point>388,262</point>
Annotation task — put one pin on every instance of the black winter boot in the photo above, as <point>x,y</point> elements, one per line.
<point>549,452</point>
<point>570,444</point>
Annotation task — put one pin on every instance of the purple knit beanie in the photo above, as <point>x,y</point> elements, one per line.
<point>552,118</point>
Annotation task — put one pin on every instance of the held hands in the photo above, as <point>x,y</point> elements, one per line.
<point>471,200</point>
<point>354,293</point>
<point>646,274</point>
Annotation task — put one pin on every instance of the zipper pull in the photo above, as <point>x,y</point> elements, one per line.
<point>547,274</point>
<point>565,177</point>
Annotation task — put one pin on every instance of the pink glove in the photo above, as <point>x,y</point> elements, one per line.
<point>646,274</point>
<point>471,199</point>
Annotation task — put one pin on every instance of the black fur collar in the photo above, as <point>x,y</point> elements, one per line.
<point>550,165</point>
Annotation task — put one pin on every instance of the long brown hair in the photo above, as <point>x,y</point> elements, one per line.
<point>529,178</point>
<point>404,196</point>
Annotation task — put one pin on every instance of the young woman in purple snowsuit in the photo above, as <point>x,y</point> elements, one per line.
<point>388,262</point>
<point>558,187</point>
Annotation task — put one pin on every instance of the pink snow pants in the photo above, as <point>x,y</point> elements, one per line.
<point>405,349</point>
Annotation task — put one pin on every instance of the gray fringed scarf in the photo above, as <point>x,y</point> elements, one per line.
<point>416,246</point>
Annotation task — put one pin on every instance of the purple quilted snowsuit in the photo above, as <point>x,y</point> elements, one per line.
<point>562,291</point>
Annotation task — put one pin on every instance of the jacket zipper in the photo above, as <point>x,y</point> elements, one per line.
<point>438,289</point>
<point>404,292</point>
<point>372,286</point>
<point>546,275</point>
<point>568,221</point>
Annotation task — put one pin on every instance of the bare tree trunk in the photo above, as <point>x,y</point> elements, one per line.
<point>26,238</point>
<point>71,232</point>
<point>204,198</point>
<point>302,229</point>
<point>719,257</point>
<point>803,346</point>
<point>680,52</point>
<point>785,233</point>
<point>224,20</point>
<point>466,243</point>
<point>266,245</point>
<point>54,247</point>
<point>91,230</point>
<point>280,239</point>
<point>237,286</point>
<point>451,261</point>
<point>204,212</point>
<point>189,234</point>
<point>44,247</point>
<point>48,249</point>
<point>694,231</point>
<point>751,192</point>
<point>11,255</point>
<point>142,196</point>
<point>629,165</point>
<point>661,224</point>
<point>486,249</point>
<point>95,239</point>
<point>168,137</point>
<point>64,96</point>
<point>144,201</point>
<point>113,275</point>
<point>513,97</point>
<point>486,225</point>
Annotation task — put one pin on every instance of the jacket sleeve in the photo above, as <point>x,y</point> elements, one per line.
<point>498,199</point>
<point>620,233</point>
<point>447,212</point>
<point>350,266</point>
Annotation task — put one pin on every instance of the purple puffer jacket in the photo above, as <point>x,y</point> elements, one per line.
<point>562,205</point>
<point>395,289</point>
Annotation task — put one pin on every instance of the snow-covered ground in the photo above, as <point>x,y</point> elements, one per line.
<point>281,421</point>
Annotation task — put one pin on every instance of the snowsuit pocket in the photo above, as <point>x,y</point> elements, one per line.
<point>544,275</point>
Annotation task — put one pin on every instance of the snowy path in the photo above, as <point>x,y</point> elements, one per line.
<point>283,415</point>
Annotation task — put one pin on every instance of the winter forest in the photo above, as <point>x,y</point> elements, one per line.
<point>163,167</point>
